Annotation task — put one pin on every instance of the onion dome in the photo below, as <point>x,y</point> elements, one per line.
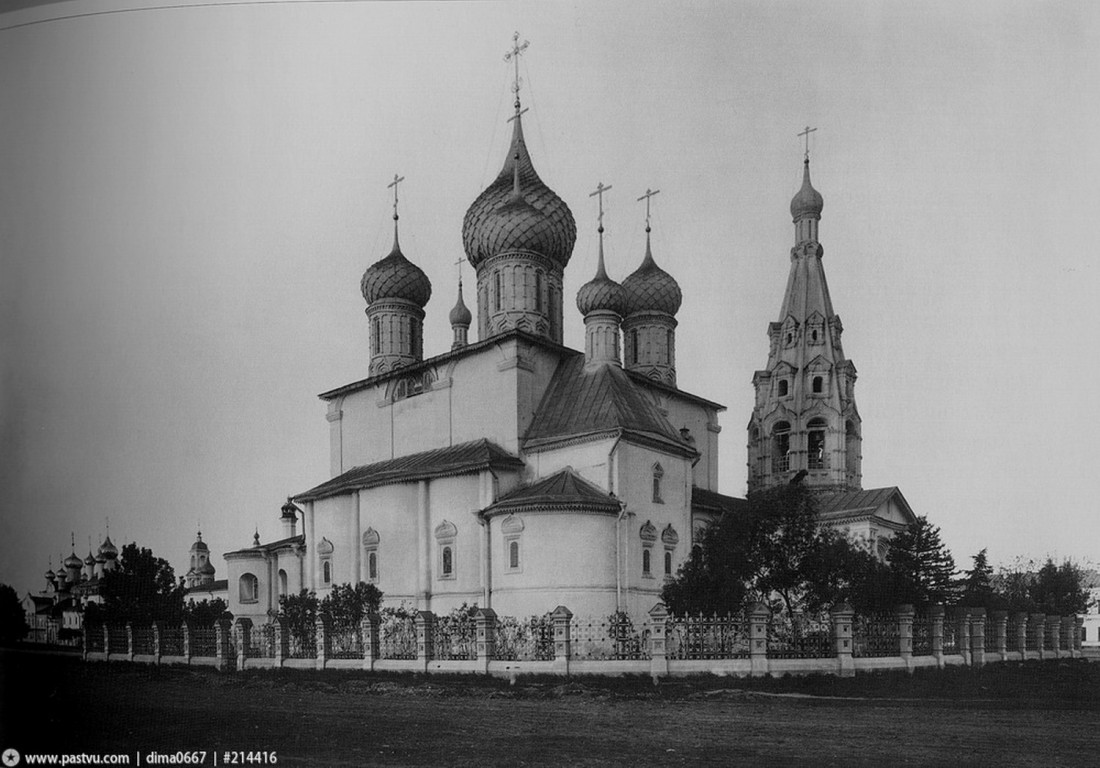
<point>50,575</point>
<point>395,277</point>
<point>601,292</point>
<point>108,549</point>
<point>200,545</point>
<point>649,288</point>
<point>90,559</point>
<point>72,561</point>
<point>518,212</point>
<point>460,314</point>
<point>808,201</point>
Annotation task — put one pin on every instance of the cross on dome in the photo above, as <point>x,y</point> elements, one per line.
<point>806,134</point>
<point>513,56</point>
<point>649,193</point>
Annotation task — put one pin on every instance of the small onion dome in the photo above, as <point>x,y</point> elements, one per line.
<point>108,549</point>
<point>535,219</point>
<point>601,293</point>
<point>50,575</point>
<point>808,201</point>
<point>650,289</point>
<point>395,277</point>
<point>90,559</point>
<point>199,544</point>
<point>290,509</point>
<point>72,561</point>
<point>460,313</point>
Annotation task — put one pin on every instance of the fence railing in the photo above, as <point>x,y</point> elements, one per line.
<point>755,642</point>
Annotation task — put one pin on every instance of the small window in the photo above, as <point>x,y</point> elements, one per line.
<point>372,566</point>
<point>496,293</point>
<point>249,588</point>
<point>658,474</point>
<point>282,582</point>
<point>668,563</point>
<point>818,385</point>
<point>633,347</point>
<point>448,562</point>
<point>538,290</point>
<point>326,572</point>
<point>783,387</point>
<point>513,554</point>
<point>646,557</point>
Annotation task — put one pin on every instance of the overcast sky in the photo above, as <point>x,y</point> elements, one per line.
<point>190,194</point>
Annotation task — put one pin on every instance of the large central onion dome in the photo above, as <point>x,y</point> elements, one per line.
<point>535,219</point>
<point>395,277</point>
<point>650,289</point>
<point>808,201</point>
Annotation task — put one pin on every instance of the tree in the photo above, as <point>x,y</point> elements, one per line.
<point>1060,589</point>
<point>206,612</point>
<point>977,584</point>
<point>300,613</point>
<point>923,566</point>
<point>347,605</point>
<point>141,589</point>
<point>13,621</point>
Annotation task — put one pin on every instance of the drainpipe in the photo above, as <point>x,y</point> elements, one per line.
<point>618,526</point>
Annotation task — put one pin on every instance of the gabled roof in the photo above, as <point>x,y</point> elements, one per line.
<point>562,490</point>
<point>835,506</point>
<point>220,585</point>
<point>441,462</point>
<point>584,401</point>
<point>300,539</point>
<point>703,500</point>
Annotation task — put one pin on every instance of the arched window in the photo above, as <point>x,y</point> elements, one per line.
<point>326,572</point>
<point>781,447</point>
<point>668,563</point>
<point>818,385</point>
<point>282,582</point>
<point>372,566</point>
<point>513,554</point>
<point>646,556</point>
<point>496,291</point>
<point>783,386</point>
<point>448,562</point>
<point>634,347</point>
<point>815,445</point>
<point>538,290</point>
<point>658,473</point>
<point>249,588</point>
<point>851,448</point>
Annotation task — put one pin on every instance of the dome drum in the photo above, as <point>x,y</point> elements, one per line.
<point>516,292</point>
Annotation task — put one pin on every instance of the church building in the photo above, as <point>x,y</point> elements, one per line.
<point>517,473</point>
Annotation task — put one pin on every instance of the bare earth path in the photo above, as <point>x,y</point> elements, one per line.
<point>1037,717</point>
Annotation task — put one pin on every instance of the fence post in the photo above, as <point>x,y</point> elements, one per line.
<point>486,621</point>
<point>1054,624</point>
<point>282,641</point>
<point>1036,625</point>
<point>1066,638</point>
<point>962,620</point>
<point>158,650</point>
<point>935,629</point>
<point>106,643</point>
<point>185,629</point>
<point>658,642</point>
<point>425,624</point>
<point>85,631</point>
<point>842,636</point>
<point>243,629</point>
<point>222,628</point>
<point>322,640</point>
<point>1021,618</point>
<point>758,616</point>
<point>998,622</point>
<point>1078,629</point>
<point>369,627</point>
<point>977,636</point>
<point>905,613</point>
<point>561,617</point>
<point>129,641</point>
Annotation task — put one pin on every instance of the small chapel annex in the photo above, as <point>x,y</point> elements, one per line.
<point>519,474</point>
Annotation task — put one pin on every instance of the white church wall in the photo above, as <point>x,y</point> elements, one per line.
<point>482,399</point>
<point>702,423</point>
<point>333,523</point>
<point>391,511</point>
<point>248,565</point>
<point>589,460</point>
<point>454,500</point>
<point>566,558</point>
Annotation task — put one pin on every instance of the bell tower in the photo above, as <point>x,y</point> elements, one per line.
<point>805,416</point>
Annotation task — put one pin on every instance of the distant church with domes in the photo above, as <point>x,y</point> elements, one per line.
<point>517,473</point>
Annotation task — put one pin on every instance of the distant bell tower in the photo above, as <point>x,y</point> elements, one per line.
<point>805,415</point>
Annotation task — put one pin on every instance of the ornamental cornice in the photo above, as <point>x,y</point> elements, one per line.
<point>518,257</point>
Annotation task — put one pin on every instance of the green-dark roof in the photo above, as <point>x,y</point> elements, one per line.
<point>564,489</point>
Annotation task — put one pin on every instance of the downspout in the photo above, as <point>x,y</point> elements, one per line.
<point>618,525</point>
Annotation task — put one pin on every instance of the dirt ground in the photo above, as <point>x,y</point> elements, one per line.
<point>1031,715</point>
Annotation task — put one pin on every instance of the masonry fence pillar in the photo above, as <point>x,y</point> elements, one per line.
<point>425,626</point>
<point>1066,640</point>
<point>158,633</point>
<point>1078,632</point>
<point>185,630</point>
<point>1036,625</point>
<point>282,641</point>
<point>962,621</point>
<point>370,627</point>
<point>85,632</point>
<point>107,643</point>
<point>935,628</point>
<point>562,617</point>
<point>323,640</point>
<point>977,636</point>
<point>485,625</point>
<point>129,641</point>
<point>658,641</point>
<point>997,623</point>
<point>842,617</point>
<point>243,629</point>
<point>1021,619</point>
<point>758,617</point>
<point>905,614</point>
<point>1054,628</point>
<point>222,628</point>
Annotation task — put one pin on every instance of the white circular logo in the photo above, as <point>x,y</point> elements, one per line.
<point>10,757</point>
